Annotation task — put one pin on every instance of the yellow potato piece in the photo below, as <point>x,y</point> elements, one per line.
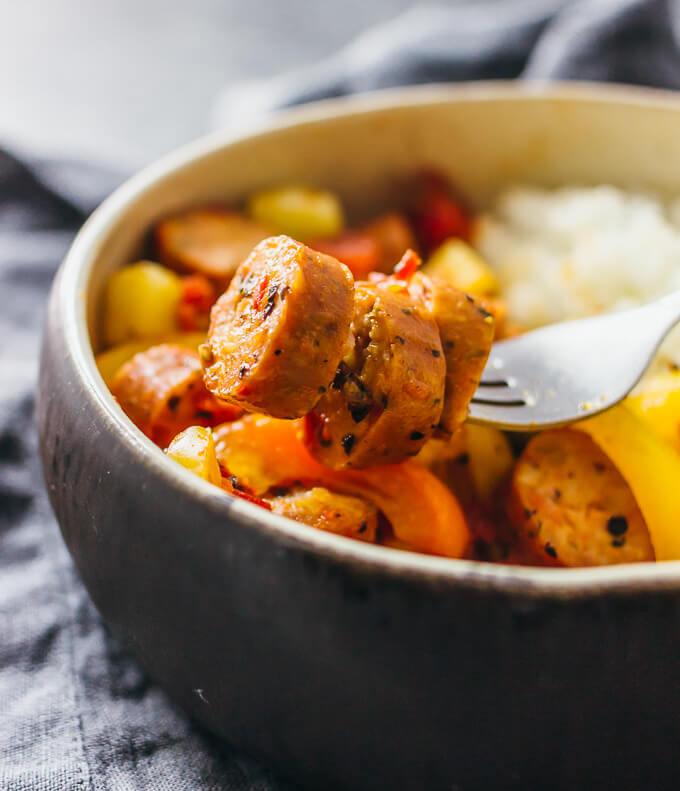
<point>459,264</point>
<point>650,466</point>
<point>490,458</point>
<point>657,402</point>
<point>110,361</point>
<point>194,449</point>
<point>141,302</point>
<point>300,212</point>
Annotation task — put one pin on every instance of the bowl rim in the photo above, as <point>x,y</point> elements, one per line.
<point>70,301</point>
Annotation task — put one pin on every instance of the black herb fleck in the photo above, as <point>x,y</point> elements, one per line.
<point>173,403</point>
<point>246,289</point>
<point>528,514</point>
<point>464,458</point>
<point>271,301</point>
<point>416,435</point>
<point>469,298</point>
<point>400,339</point>
<point>277,352</point>
<point>550,550</point>
<point>235,483</point>
<point>557,494</point>
<point>484,313</point>
<point>284,291</point>
<point>384,402</point>
<point>407,311</point>
<point>363,528</point>
<point>242,371</point>
<point>204,414</point>
<point>436,353</point>
<point>450,344</point>
<point>347,443</point>
<point>322,389</point>
<point>618,542</point>
<point>599,467</point>
<point>358,413</point>
<point>617,525</point>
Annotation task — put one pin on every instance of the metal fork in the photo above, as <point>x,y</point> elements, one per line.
<point>570,371</point>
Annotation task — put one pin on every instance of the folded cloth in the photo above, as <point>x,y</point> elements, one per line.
<point>630,41</point>
<point>76,712</point>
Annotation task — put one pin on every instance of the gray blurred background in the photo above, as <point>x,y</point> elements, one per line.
<point>124,81</point>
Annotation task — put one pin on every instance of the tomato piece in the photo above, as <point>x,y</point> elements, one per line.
<point>438,216</point>
<point>357,251</point>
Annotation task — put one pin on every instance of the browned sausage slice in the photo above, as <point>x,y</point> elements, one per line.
<point>278,333</point>
<point>467,331</point>
<point>162,392</point>
<point>571,506</point>
<point>387,395</point>
<point>393,234</point>
<point>341,514</point>
<point>211,241</point>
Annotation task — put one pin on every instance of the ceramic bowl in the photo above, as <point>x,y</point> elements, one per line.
<point>337,663</point>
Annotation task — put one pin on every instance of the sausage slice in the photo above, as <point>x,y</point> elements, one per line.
<point>279,331</point>
<point>210,241</point>
<point>393,235</point>
<point>341,514</point>
<point>466,329</point>
<point>571,506</point>
<point>161,390</point>
<point>388,392</point>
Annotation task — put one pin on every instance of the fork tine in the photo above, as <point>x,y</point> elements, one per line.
<point>501,402</point>
<point>494,383</point>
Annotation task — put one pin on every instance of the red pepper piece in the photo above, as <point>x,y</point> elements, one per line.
<point>242,492</point>
<point>408,265</point>
<point>260,291</point>
<point>198,296</point>
<point>437,217</point>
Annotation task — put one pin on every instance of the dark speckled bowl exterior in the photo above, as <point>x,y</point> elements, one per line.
<point>339,664</point>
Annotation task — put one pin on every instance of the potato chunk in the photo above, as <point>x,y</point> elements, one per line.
<point>457,263</point>
<point>141,301</point>
<point>194,449</point>
<point>301,212</point>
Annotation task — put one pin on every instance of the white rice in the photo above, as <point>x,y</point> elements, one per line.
<point>574,252</point>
